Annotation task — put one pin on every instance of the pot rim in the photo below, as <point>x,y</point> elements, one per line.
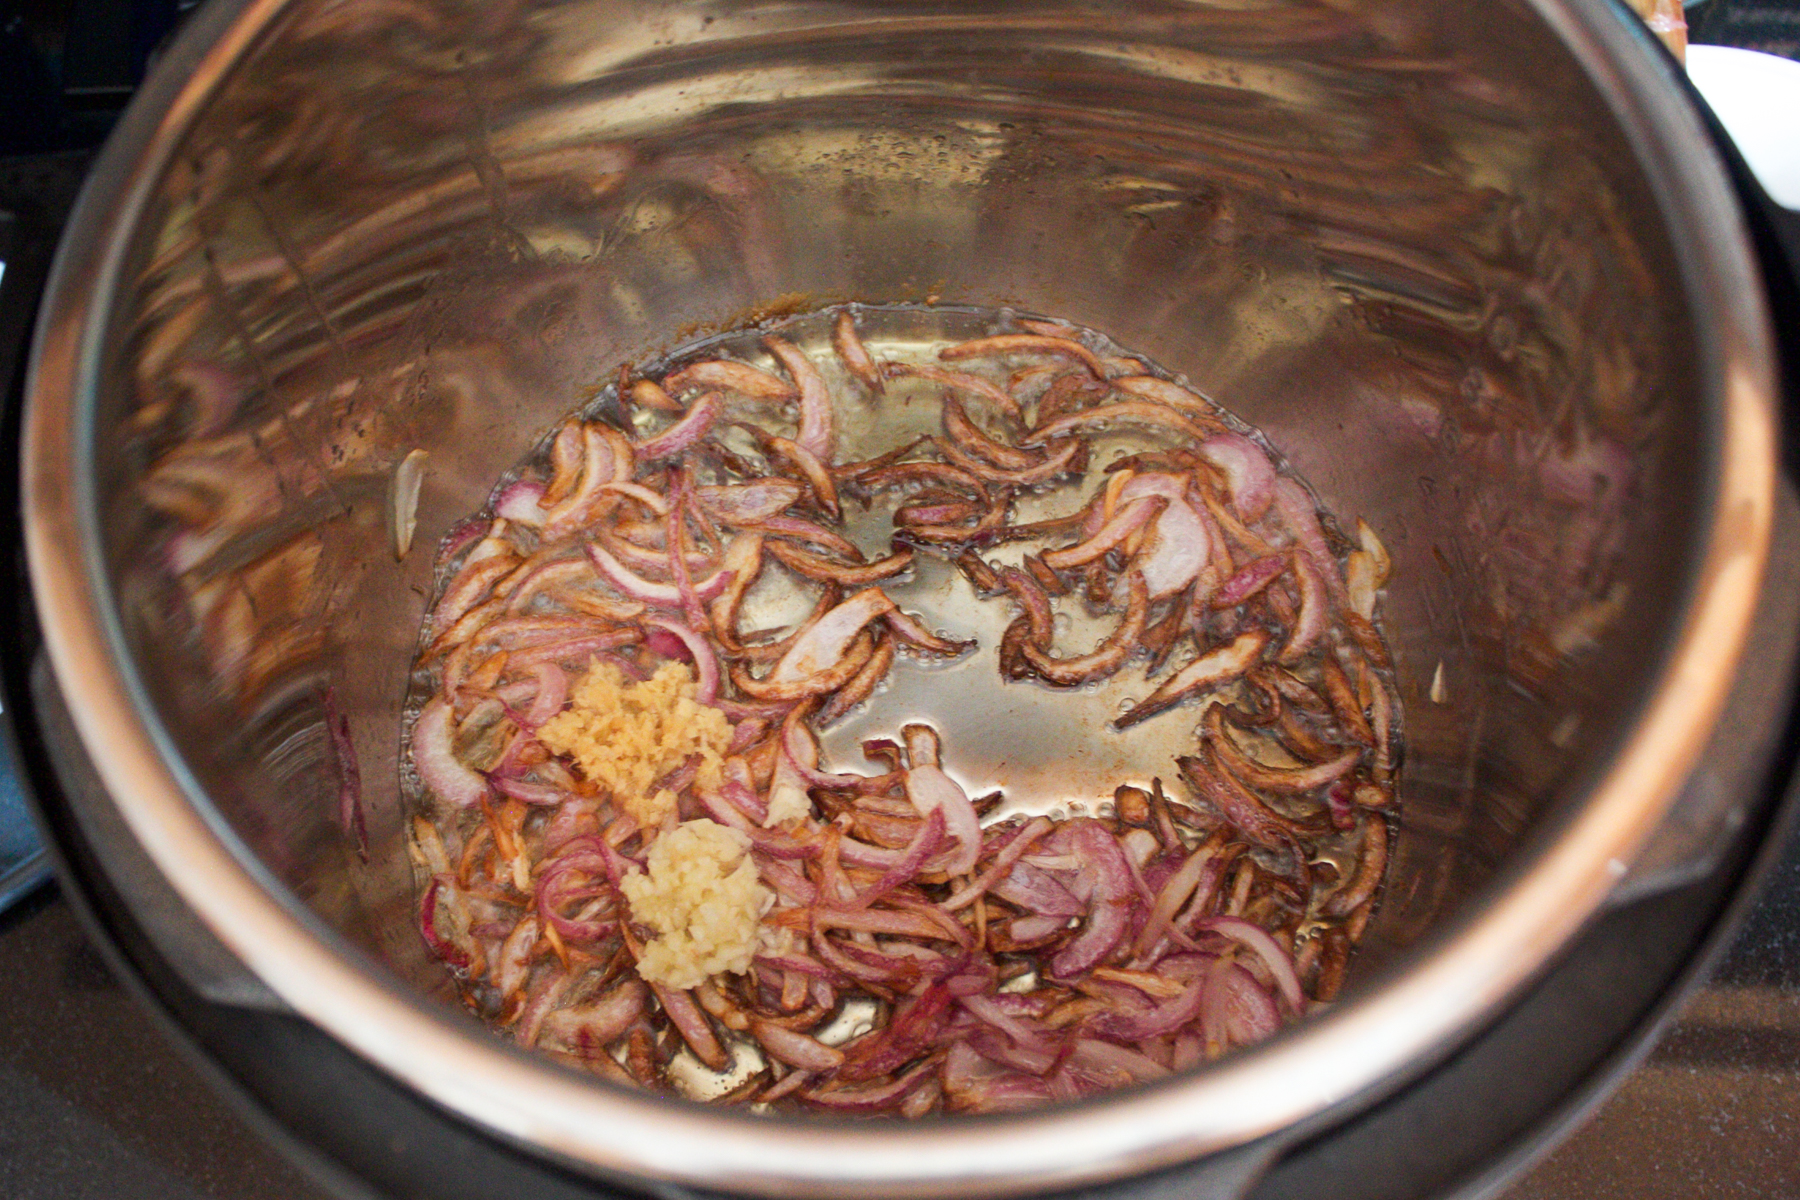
<point>1307,1072</point>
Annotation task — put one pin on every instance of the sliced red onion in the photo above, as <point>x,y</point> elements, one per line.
<point>930,790</point>
<point>470,586</point>
<point>695,424</point>
<point>513,963</point>
<point>1257,939</point>
<point>912,1028</point>
<point>655,501</point>
<point>459,537</point>
<point>802,753</point>
<point>544,995</point>
<point>855,355</point>
<point>909,921</point>
<point>1016,844</point>
<point>1301,516</point>
<point>1114,892</point>
<point>1127,521</point>
<point>788,883</point>
<point>908,629</point>
<point>552,694</point>
<point>691,1024</point>
<point>859,963</point>
<point>1315,611</point>
<point>706,663</point>
<point>795,1049</point>
<point>576,649</point>
<point>1216,666</point>
<point>1248,472</point>
<point>985,1007</point>
<point>874,1098</point>
<point>816,432</point>
<point>1173,894</point>
<point>1092,1054</point>
<point>1179,544</point>
<point>1027,930</point>
<point>962,381</point>
<point>823,645</point>
<point>541,794</point>
<point>1170,1015</point>
<point>995,1047</point>
<point>587,1029</point>
<point>733,376</point>
<point>917,853</point>
<point>1129,412</point>
<point>555,888</point>
<point>1148,387</point>
<point>1250,580</point>
<point>518,502</point>
<point>1025,343</point>
<point>1235,1009</point>
<point>661,595</point>
<point>974,1084</point>
<point>434,756</point>
<point>746,503</point>
<point>599,468</point>
<point>1033,888</point>
<point>440,946</point>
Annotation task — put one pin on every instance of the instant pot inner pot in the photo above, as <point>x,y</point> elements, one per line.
<point>1405,240</point>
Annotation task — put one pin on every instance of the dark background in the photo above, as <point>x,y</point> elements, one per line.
<point>95,1104</point>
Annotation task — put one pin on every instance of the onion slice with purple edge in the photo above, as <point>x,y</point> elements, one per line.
<point>822,646</point>
<point>706,662</point>
<point>434,756</point>
<point>1301,515</point>
<point>917,853</point>
<point>1149,387</point>
<point>1113,895</point>
<point>857,359</point>
<point>1216,666</point>
<point>1127,521</point>
<point>1235,1010</point>
<point>1248,472</point>
<point>738,377</point>
<point>694,424</point>
<point>1249,580</point>
<point>1179,544</point>
<point>816,432</point>
<point>519,502</point>
<point>932,791</point>
<point>1258,941</point>
<point>661,595</point>
<point>1275,779</point>
<point>1131,412</point>
<point>747,502</point>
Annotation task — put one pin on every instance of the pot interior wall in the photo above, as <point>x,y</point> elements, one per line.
<point>1407,243</point>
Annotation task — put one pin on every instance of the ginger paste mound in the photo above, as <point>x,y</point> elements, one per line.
<point>625,736</point>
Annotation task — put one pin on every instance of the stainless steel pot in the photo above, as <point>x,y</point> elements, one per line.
<point>1476,270</point>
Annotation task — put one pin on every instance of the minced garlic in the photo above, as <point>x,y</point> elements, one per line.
<point>703,897</point>
<point>625,736</point>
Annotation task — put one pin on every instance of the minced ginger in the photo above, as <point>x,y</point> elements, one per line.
<point>702,895</point>
<point>625,735</point>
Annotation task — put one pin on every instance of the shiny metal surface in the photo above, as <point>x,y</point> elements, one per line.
<point>1475,273</point>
